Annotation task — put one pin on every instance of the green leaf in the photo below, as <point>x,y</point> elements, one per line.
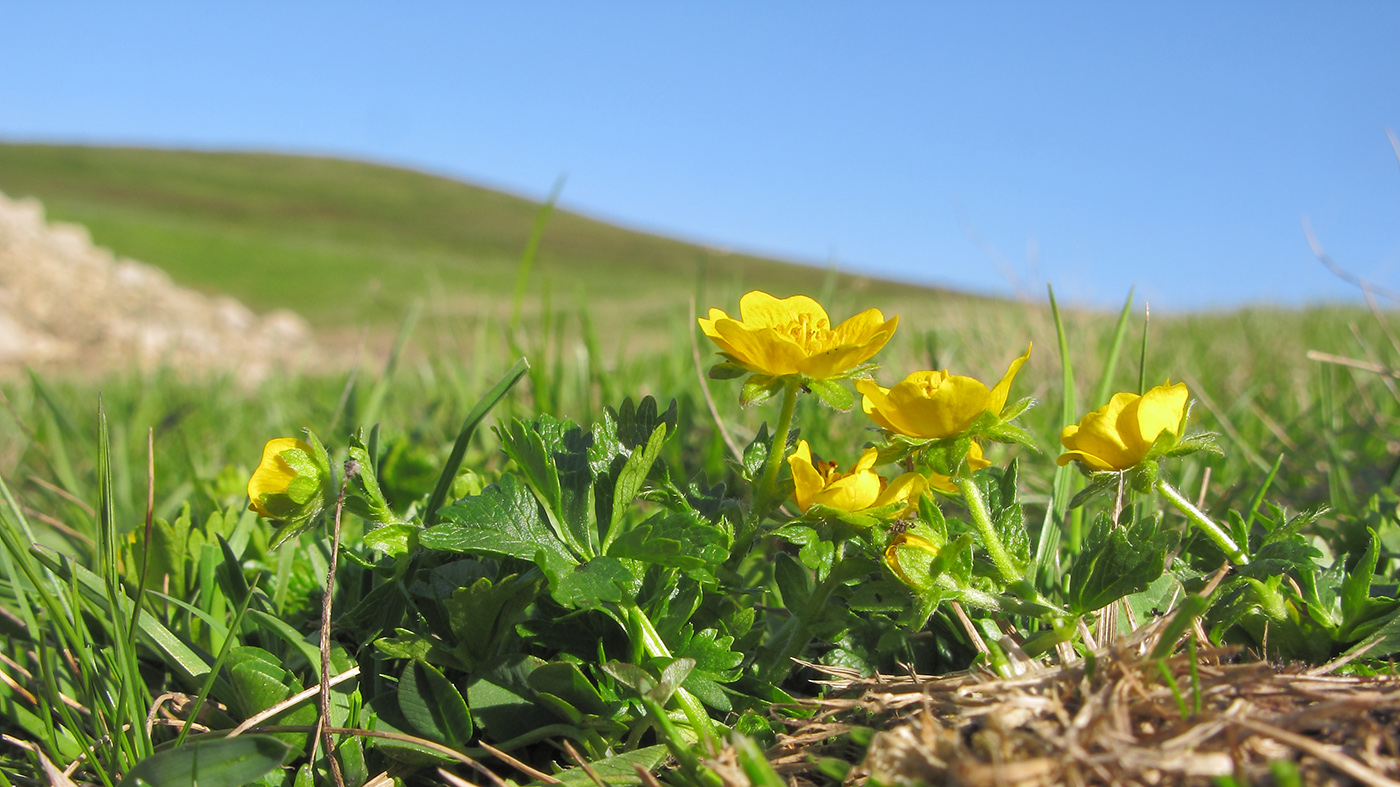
<point>676,539</point>
<point>552,456</point>
<point>833,394</point>
<point>726,371</point>
<point>393,540</point>
<point>483,614</point>
<point>1099,483</point>
<point>794,583</point>
<point>1118,561</point>
<point>500,697</point>
<point>230,762</point>
<point>618,770</point>
<point>503,520</point>
<point>434,707</point>
<point>759,389</point>
<point>567,682</point>
<point>714,663</point>
<point>590,585</point>
<point>629,480</point>
<point>409,645</point>
<point>756,454</point>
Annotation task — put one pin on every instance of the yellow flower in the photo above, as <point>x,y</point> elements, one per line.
<point>785,336</point>
<point>935,405</point>
<point>974,462</point>
<point>287,484</point>
<point>1119,434</point>
<point>909,557</point>
<point>821,483</point>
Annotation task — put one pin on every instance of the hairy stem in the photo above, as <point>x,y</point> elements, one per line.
<point>763,495</point>
<point>1198,518</point>
<point>982,518</point>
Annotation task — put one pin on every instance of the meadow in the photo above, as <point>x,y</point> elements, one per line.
<point>610,572</point>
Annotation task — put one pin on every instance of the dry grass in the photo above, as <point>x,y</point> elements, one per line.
<point>1112,720</point>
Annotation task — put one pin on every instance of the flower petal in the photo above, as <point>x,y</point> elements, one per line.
<point>864,326</point>
<point>806,481</point>
<point>904,489</point>
<point>997,399</point>
<point>935,405</point>
<point>761,350</point>
<point>832,362</point>
<point>855,492</point>
<point>1093,462</point>
<point>1160,410</point>
<point>707,324</point>
<point>273,474</point>
<point>1098,435</point>
<point>759,309</point>
<point>873,402</point>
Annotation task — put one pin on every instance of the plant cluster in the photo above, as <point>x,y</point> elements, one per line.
<point>595,599</point>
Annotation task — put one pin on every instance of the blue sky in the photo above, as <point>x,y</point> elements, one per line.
<point>991,147</point>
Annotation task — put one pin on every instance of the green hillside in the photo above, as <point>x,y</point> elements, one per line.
<point>345,242</point>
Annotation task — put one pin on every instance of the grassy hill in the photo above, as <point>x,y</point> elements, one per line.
<point>345,242</point>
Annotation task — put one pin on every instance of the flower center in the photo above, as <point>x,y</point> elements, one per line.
<point>808,331</point>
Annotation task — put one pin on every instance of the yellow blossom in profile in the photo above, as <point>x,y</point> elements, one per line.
<point>274,474</point>
<point>935,405</point>
<point>822,483</point>
<point>1119,435</point>
<point>787,336</point>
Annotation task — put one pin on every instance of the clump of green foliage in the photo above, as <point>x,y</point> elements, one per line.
<point>626,583</point>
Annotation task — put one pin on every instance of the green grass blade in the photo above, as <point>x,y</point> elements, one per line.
<point>130,690</point>
<point>1048,546</point>
<point>1258,498</point>
<point>464,436</point>
<point>176,654</point>
<point>381,386</point>
<point>1142,357</point>
<point>527,259</point>
<point>1120,333</point>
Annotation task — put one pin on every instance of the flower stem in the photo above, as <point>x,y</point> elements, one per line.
<point>977,506</point>
<point>762,496</point>
<point>1198,518</point>
<point>691,706</point>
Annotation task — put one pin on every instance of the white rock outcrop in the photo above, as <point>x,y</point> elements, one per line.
<point>67,304</point>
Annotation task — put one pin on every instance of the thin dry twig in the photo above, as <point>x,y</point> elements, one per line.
<point>734,449</point>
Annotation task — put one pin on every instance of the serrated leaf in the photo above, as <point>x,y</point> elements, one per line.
<point>483,613</point>
<point>630,478</point>
<point>393,540</point>
<point>503,520</point>
<point>553,458</point>
<point>590,585</point>
<point>675,539</point>
<point>1118,561</point>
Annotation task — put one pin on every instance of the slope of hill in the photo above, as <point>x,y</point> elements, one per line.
<point>344,242</point>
